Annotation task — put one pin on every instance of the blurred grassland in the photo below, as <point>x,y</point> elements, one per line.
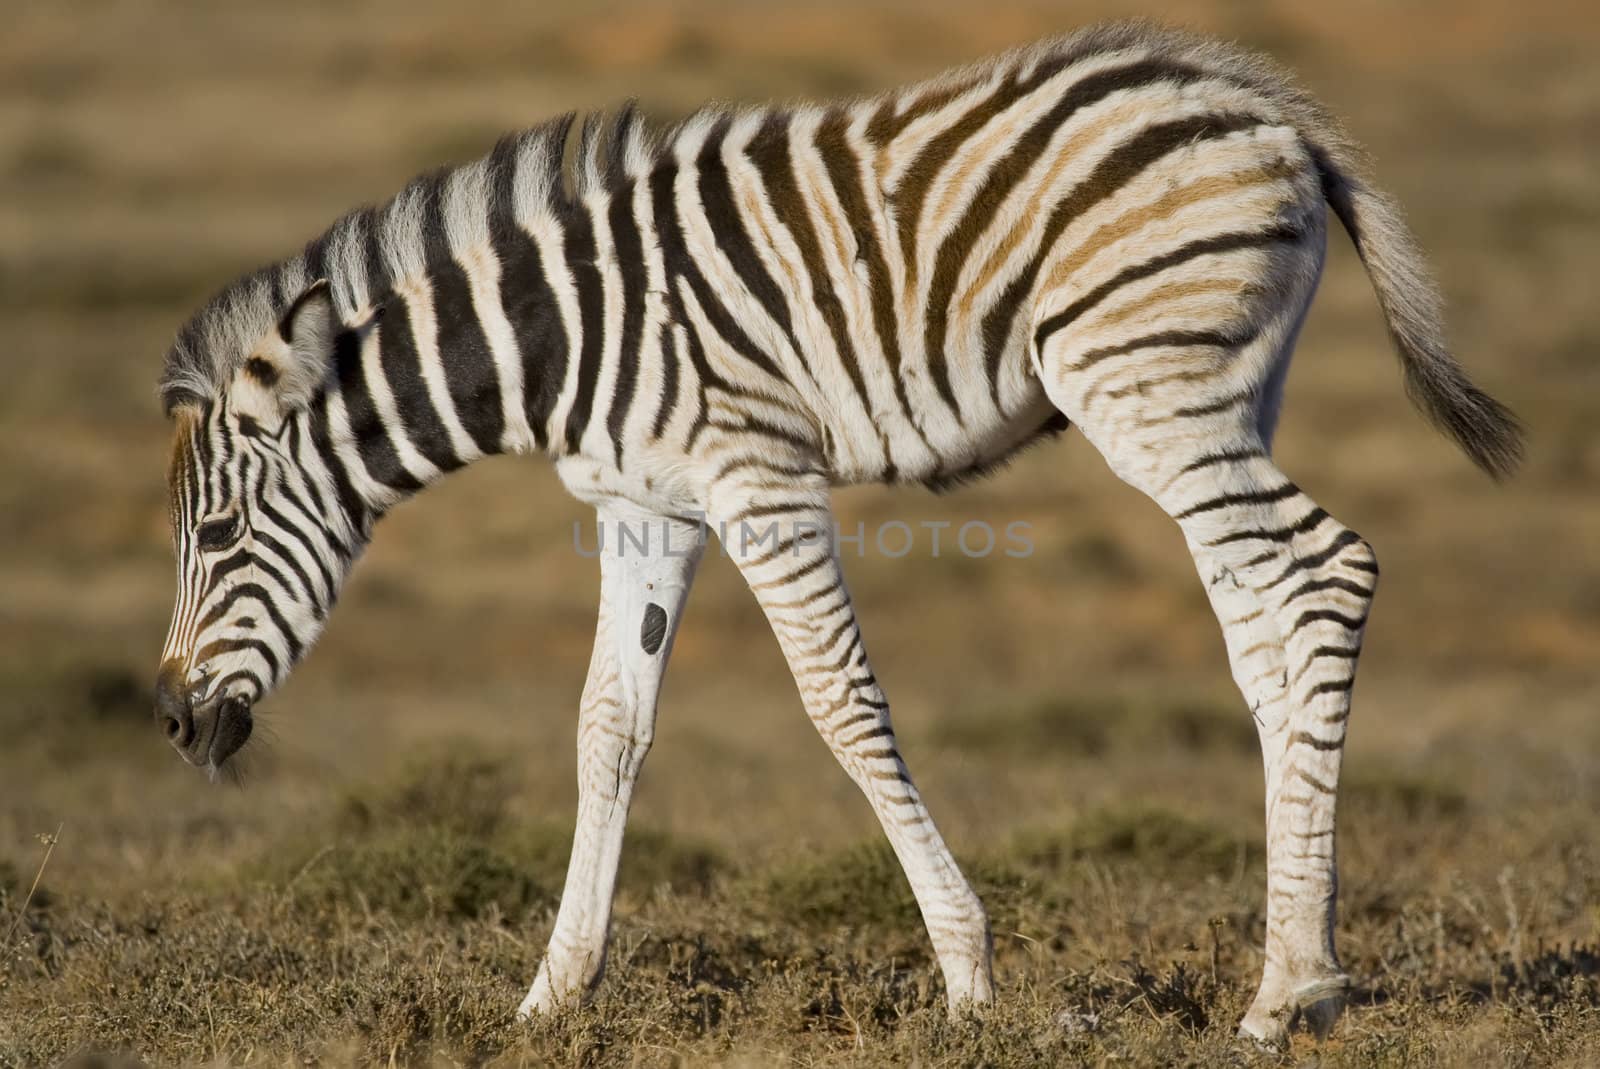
<point>384,882</point>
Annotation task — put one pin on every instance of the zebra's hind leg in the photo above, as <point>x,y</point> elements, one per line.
<point>1186,418</point>
<point>647,563</point>
<point>1292,588</point>
<point>780,535</point>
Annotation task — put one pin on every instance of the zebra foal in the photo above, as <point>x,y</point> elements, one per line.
<point>1120,229</point>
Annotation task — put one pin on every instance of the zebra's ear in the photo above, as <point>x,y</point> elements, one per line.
<point>308,330</point>
<point>287,369</point>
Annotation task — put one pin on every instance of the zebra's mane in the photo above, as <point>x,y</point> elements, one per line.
<point>535,173</point>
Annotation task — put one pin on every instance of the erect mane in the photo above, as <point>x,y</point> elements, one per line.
<point>528,175</point>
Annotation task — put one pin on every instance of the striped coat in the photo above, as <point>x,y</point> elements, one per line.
<point>1119,230</point>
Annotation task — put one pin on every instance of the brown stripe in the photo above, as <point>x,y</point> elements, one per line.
<point>1167,295</point>
<point>1030,146</point>
<point>925,166</point>
<point>182,485</point>
<point>887,123</point>
<point>1143,385</point>
<point>1226,186</point>
<point>1115,171</point>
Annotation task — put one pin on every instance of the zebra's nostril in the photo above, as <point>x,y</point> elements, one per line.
<point>172,708</point>
<point>178,728</point>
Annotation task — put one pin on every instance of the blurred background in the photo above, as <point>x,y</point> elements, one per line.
<point>151,152</point>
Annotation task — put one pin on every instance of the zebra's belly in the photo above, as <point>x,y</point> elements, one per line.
<point>993,443</point>
<point>939,451</point>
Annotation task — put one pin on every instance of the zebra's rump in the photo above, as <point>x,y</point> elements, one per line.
<point>903,247</point>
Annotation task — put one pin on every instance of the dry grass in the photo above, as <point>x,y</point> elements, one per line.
<point>382,885</point>
<point>404,925</point>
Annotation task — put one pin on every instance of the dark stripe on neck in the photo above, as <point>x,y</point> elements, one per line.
<point>357,512</point>
<point>469,368</point>
<point>402,368</point>
<point>535,318</point>
<point>377,452</point>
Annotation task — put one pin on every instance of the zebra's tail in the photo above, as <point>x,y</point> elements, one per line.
<point>1484,428</point>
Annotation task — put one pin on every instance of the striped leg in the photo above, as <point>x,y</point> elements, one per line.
<point>1292,588</point>
<point>647,563</point>
<point>1187,419</point>
<point>782,542</point>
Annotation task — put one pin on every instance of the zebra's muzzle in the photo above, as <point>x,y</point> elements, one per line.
<point>207,735</point>
<point>232,730</point>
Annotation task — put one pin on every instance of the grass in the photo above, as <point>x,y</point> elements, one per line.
<point>380,888</point>
<point>1124,934</point>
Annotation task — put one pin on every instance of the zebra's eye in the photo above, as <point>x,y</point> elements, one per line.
<point>218,533</point>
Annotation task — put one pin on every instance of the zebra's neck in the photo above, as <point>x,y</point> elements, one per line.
<point>469,354</point>
<point>479,300</point>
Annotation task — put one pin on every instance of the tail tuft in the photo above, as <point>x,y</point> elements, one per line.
<point>1485,429</point>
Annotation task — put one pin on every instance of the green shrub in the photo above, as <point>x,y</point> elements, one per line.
<point>1135,835</point>
<point>419,873</point>
<point>1414,797</point>
<point>654,859</point>
<point>460,789</point>
<point>1097,724</point>
<point>858,886</point>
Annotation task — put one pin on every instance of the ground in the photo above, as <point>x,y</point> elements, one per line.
<point>380,886</point>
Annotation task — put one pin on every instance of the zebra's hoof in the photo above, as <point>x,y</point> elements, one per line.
<point>1318,1005</point>
<point>1267,1034</point>
<point>1315,1007</point>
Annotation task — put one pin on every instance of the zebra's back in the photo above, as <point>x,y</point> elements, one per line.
<point>906,241</point>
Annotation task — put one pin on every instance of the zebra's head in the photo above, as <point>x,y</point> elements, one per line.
<point>263,530</point>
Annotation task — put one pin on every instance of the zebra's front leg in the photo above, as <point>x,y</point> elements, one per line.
<point>647,563</point>
<point>781,539</point>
